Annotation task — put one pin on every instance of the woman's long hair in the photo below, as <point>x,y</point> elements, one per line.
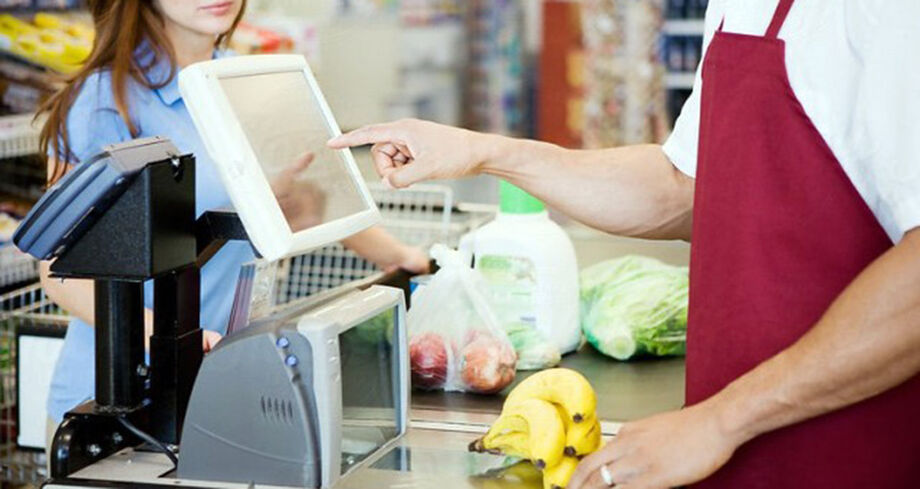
<point>121,25</point>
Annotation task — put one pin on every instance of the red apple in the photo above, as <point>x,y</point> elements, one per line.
<point>488,365</point>
<point>428,359</point>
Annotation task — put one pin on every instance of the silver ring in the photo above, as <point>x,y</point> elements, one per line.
<point>607,476</point>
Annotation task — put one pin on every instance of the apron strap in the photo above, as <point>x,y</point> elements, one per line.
<point>779,17</point>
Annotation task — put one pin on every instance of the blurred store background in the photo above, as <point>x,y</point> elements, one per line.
<point>588,73</point>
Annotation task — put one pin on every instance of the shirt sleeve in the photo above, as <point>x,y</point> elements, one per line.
<point>886,142</point>
<point>93,122</point>
<point>681,145</point>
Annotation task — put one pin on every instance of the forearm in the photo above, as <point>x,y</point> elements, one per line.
<point>865,344</point>
<point>378,246</point>
<point>630,191</point>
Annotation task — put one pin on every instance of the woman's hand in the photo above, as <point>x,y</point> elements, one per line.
<point>664,451</point>
<point>209,340</point>
<point>413,260</point>
<point>302,203</point>
<point>411,151</point>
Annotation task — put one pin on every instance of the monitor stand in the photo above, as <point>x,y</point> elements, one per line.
<point>149,233</point>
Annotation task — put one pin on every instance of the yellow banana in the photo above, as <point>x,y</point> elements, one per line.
<point>561,386</point>
<point>558,476</point>
<point>545,428</point>
<point>524,473</point>
<point>508,435</point>
<point>506,424</point>
<point>514,444</point>
<point>583,438</point>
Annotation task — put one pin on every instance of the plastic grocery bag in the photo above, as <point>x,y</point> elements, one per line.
<point>455,341</point>
<point>635,306</point>
<point>534,350</point>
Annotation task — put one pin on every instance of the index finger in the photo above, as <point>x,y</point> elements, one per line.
<point>373,134</point>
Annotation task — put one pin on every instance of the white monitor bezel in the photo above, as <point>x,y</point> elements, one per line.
<point>236,161</point>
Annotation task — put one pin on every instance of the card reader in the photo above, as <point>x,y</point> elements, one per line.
<point>72,204</point>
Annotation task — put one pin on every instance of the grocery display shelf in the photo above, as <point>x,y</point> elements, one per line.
<point>16,267</point>
<point>684,27</point>
<point>679,80</point>
<point>18,136</point>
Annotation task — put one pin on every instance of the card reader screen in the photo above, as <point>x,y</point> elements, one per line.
<point>370,387</point>
<point>287,130</point>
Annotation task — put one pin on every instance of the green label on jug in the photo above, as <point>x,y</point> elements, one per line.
<point>512,287</point>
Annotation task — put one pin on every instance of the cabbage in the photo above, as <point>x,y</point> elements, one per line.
<point>635,306</point>
<point>534,351</point>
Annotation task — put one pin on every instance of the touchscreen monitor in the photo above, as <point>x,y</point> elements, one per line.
<point>265,124</point>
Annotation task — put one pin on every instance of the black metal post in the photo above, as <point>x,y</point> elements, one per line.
<point>175,350</point>
<point>120,368</point>
<point>148,232</point>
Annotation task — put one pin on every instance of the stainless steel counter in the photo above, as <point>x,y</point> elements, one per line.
<point>439,459</point>
<point>625,390</point>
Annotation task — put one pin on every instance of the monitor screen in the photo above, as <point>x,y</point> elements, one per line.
<point>287,130</point>
<point>370,387</point>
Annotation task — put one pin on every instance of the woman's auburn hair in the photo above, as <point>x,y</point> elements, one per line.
<point>121,26</point>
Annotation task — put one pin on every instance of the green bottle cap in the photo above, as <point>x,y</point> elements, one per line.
<point>513,200</point>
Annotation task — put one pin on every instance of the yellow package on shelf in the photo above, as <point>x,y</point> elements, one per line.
<point>74,29</point>
<point>53,41</point>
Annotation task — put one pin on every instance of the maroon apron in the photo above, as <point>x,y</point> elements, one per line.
<point>778,232</point>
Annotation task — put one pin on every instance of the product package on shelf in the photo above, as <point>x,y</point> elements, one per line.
<point>59,42</point>
<point>455,341</point>
<point>686,9</point>
<point>495,85</point>
<point>253,39</point>
<point>682,46</point>
<point>625,95</point>
<point>428,12</point>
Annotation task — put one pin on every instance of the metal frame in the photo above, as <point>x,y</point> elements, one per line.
<point>419,216</point>
<point>20,466</point>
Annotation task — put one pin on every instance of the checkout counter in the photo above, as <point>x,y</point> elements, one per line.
<point>316,396</point>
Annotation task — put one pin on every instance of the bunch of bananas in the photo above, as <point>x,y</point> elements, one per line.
<point>549,419</point>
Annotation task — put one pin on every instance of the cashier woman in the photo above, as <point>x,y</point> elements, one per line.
<point>795,167</point>
<point>128,89</point>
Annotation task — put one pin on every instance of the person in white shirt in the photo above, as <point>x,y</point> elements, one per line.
<point>794,167</point>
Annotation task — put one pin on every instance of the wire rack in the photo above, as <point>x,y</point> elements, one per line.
<point>26,305</point>
<point>419,216</point>
<point>16,267</point>
<point>18,136</point>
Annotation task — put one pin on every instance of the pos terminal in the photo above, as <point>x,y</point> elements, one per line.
<point>302,398</point>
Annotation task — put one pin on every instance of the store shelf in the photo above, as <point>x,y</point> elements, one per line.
<point>16,267</point>
<point>679,80</point>
<point>18,136</point>
<point>684,27</point>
